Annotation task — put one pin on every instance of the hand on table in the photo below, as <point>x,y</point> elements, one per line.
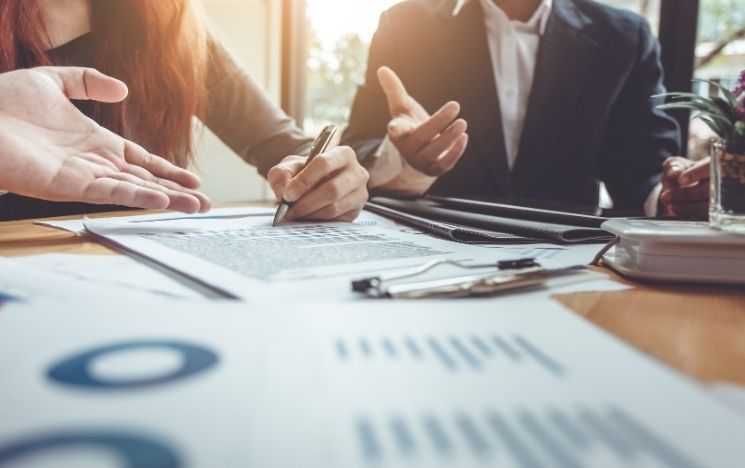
<point>685,188</point>
<point>332,187</point>
<point>50,150</point>
<point>430,144</point>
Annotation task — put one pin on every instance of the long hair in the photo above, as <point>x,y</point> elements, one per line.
<point>157,47</point>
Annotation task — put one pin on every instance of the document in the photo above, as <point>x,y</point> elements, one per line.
<point>114,271</point>
<point>30,283</point>
<point>513,383</point>
<point>242,257</point>
<point>163,220</point>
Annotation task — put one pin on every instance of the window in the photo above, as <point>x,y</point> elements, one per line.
<point>339,34</point>
<point>720,57</point>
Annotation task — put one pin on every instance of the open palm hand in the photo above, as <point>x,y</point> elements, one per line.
<point>49,150</point>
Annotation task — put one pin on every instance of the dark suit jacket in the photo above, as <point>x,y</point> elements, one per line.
<point>590,116</point>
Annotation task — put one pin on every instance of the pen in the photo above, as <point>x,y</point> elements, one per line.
<point>319,146</point>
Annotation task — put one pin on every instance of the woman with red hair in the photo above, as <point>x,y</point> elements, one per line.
<point>175,71</point>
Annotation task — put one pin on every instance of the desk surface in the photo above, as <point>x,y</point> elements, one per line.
<point>697,329</point>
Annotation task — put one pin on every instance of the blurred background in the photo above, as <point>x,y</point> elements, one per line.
<point>311,54</point>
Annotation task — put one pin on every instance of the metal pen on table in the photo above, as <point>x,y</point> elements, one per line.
<point>319,146</point>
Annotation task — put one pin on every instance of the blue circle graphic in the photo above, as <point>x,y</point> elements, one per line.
<point>75,370</point>
<point>136,451</point>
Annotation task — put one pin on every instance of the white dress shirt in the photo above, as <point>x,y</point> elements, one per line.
<point>513,46</point>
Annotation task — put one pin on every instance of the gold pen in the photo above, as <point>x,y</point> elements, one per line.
<point>319,146</point>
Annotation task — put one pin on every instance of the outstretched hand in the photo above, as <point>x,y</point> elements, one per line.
<point>431,144</point>
<point>50,150</point>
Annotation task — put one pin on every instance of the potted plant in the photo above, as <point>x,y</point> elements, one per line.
<point>724,113</point>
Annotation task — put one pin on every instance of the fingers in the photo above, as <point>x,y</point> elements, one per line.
<point>327,183</point>
<point>346,208</point>
<point>690,194</point>
<point>324,166</point>
<point>179,200</point>
<point>182,197</point>
<point>695,173</point>
<point>434,126</point>
<point>328,193</point>
<point>394,89</point>
<point>427,160</point>
<point>136,155</point>
<point>87,83</point>
<point>672,169</point>
<point>281,174</point>
<point>446,162</point>
<point>110,191</point>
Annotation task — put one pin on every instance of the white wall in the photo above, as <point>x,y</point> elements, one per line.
<point>251,30</point>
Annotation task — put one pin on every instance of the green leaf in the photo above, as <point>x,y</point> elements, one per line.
<point>716,127</point>
<point>699,102</point>
<point>728,95</point>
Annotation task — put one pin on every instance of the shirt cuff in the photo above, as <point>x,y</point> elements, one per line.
<point>653,201</point>
<point>387,164</point>
<point>2,192</point>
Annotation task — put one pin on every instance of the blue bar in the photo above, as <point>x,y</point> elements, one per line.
<point>540,356</point>
<point>437,435</point>
<point>482,346</point>
<point>478,443</point>
<point>461,349</point>
<point>444,357</point>
<point>413,348</point>
<point>506,348</point>
<point>520,452</point>
<point>341,349</point>
<point>552,447</point>
<point>365,348</point>
<point>390,348</point>
<point>368,442</point>
<point>620,447</point>
<point>654,445</point>
<point>572,432</point>
<point>404,439</point>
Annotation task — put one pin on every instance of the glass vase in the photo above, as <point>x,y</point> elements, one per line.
<point>727,202</point>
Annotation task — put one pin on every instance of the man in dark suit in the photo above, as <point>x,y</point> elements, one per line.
<point>553,96</point>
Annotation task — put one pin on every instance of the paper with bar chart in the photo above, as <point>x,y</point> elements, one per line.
<point>508,383</point>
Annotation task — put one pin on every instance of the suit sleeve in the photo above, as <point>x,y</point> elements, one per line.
<point>245,118</point>
<point>369,117</point>
<point>639,136</point>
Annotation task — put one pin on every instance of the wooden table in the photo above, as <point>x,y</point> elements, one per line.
<point>698,330</point>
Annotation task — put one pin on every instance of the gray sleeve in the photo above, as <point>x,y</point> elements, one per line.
<point>244,117</point>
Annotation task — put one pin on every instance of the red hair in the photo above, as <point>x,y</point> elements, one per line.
<point>157,47</point>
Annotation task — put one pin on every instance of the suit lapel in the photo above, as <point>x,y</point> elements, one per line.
<point>462,48</point>
<point>565,58</point>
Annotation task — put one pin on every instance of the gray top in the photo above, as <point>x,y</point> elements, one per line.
<point>243,116</point>
<point>238,111</point>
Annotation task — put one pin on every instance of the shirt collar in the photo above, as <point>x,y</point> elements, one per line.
<point>540,17</point>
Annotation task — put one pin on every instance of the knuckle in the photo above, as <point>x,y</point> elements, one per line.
<point>336,209</point>
<point>335,190</point>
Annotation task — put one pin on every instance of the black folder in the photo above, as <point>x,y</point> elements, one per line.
<point>461,223</point>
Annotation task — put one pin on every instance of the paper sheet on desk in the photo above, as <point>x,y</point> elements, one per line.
<point>116,271</point>
<point>164,220</point>
<point>30,283</point>
<point>509,383</point>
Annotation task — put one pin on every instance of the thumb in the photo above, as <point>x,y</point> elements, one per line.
<point>399,127</point>
<point>87,83</point>
<point>395,91</point>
